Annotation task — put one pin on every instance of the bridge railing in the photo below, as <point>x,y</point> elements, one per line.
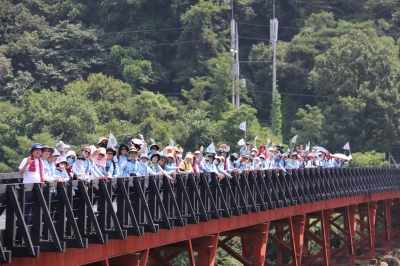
<point>51,217</point>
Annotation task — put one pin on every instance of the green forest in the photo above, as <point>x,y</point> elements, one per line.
<point>74,70</point>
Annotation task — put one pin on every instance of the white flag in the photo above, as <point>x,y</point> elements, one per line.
<point>112,141</point>
<point>211,148</point>
<point>294,139</point>
<point>350,157</point>
<point>241,142</point>
<point>171,142</point>
<point>242,126</point>
<point>346,146</point>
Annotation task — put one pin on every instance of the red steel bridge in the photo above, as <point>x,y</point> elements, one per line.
<point>304,216</point>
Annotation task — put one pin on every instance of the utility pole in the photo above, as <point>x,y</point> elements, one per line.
<point>232,52</point>
<point>237,83</point>
<point>235,55</point>
<point>273,29</point>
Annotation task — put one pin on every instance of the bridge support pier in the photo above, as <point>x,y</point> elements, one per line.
<point>207,258</point>
<point>254,244</point>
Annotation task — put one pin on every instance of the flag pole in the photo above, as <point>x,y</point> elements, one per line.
<point>245,131</point>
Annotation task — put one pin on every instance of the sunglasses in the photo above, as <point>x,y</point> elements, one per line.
<point>86,151</point>
<point>100,154</point>
<point>81,159</point>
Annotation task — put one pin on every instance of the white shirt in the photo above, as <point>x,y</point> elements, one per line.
<point>29,176</point>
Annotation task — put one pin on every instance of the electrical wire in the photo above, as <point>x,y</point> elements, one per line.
<point>260,25</point>
<point>162,29</point>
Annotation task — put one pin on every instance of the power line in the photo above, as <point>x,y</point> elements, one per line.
<point>261,25</point>
<point>286,93</point>
<point>109,48</point>
<point>162,29</point>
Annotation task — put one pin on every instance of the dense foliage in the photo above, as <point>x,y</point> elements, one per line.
<point>74,70</point>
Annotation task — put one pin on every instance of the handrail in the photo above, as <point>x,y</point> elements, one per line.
<point>62,215</point>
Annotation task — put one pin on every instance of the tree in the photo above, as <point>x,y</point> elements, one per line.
<point>308,125</point>
<point>201,25</point>
<point>276,115</point>
<point>359,77</point>
<point>370,159</point>
<point>218,83</point>
<point>131,68</point>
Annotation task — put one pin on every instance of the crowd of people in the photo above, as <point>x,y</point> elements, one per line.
<point>141,159</point>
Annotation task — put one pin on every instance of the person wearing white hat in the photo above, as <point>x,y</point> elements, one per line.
<point>220,167</point>
<point>293,163</point>
<point>256,163</point>
<point>61,174</point>
<point>100,163</point>
<point>170,165</point>
<point>241,163</point>
<point>71,156</point>
<point>143,169</point>
<point>186,164</point>
<point>197,158</point>
<point>79,170</point>
<point>62,147</point>
<point>103,142</point>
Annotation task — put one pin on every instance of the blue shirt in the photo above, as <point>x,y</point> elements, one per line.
<point>62,173</point>
<point>143,169</point>
<point>131,167</point>
<point>122,159</point>
<point>210,168</point>
<point>112,171</point>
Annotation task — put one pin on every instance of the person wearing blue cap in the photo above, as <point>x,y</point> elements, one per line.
<point>32,168</point>
<point>32,171</point>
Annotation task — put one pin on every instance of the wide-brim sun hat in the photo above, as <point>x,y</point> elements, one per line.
<point>50,148</point>
<point>101,139</point>
<point>55,153</point>
<point>154,145</point>
<point>70,153</point>
<point>144,155</point>
<point>61,159</point>
<point>61,146</point>
<point>189,156</point>
<point>36,146</point>
<point>155,154</point>
<point>98,151</point>
<point>211,155</point>
<point>133,150</point>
